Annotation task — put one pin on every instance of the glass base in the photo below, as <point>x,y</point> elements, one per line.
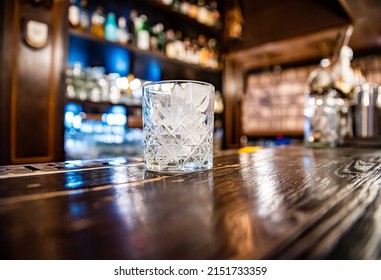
<point>175,168</point>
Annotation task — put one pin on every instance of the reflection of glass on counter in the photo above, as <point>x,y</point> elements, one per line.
<point>89,136</point>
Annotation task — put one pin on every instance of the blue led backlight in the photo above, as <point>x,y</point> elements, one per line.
<point>117,110</point>
<point>88,53</point>
<point>77,51</point>
<point>153,71</point>
<point>116,60</point>
<point>72,107</point>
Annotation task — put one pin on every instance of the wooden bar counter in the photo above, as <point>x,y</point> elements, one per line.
<point>276,203</point>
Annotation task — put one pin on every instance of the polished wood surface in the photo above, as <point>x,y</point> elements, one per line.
<point>276,203</point>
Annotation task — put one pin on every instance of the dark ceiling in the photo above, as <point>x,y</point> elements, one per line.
<point>287,31</point>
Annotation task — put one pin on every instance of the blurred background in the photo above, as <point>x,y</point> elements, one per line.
<point>72,71</point>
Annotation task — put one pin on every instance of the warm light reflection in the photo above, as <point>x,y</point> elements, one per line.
<point>239,227</point>
<point>235,222</point>
<point>268,199</point>
<point>266,185</point>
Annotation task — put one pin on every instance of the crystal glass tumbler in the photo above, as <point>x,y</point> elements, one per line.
<point>178,123</point>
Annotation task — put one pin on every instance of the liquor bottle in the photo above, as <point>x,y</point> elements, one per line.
<point>215,14</point>
<point>193,9</point>
<point>158,37</point>
<point>143,36</point>
<point>111,28</point>
<point>209,19</point>
<point>74,14</point>
<point>179,45</point>
<point>84,17</point>
<point>235,21</point>
<point>184,7</point>
<point>203,13</point>
<point>196,52</point>
<point>189,50</point>
<point>97,22</point>
<point>167,2</point>
<point>176,5</point>
<point>121,34</point>
<point>204,53</point>
<point>170,47</point>
<point>213,61</point>
<point>131,27</point>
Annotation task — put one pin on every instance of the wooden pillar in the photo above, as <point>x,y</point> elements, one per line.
<point>233,84</point>
<point>32,83</point>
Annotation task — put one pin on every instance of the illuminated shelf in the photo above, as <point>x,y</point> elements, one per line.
<point>102,103</point>
<point>217,28</point>
<point>132,48</point>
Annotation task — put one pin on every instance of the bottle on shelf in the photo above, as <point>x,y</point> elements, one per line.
<point>215,14</point>
<point>184,7</point>
<point>235,21</point>
<point>92,84</point>
<point>170,47</point>
<point>142,35</point>
<point>132,27</point>
<point>193,9</point>
<point>189,50</point>
<point>79,76</point>
<point>122,34</point>
<point>74,14</point>
<point>179,46</point>
<point>114,90</point>
<point>84,17</point>
<point>203,12</point>
<point>111,28</point>
<point>161,40</point>
<point>213,60</point>
<point>196,52</point>
<point>176,5</point>
<point>157,37</point>
<point>167,2</point>
<point>204,53</point>
<point>104,84</point>
<point>97,22</point>
<point>69,81</point>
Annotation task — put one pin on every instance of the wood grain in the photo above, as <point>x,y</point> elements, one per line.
<point>277,203</point>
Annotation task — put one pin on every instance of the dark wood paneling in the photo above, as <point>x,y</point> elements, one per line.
<point>30,90</point>
<point>5,82</point>
<point>233,85</point>
<point>367,23</point>
<point>275,20</point>
<point>35,83</point>
<point>2,107</point>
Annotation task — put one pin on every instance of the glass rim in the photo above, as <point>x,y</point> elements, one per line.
<point>178,81</point>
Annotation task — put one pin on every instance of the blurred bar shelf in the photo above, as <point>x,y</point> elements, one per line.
<point>102,103</point>
<point>134,49</point>
<point>209,28</point>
